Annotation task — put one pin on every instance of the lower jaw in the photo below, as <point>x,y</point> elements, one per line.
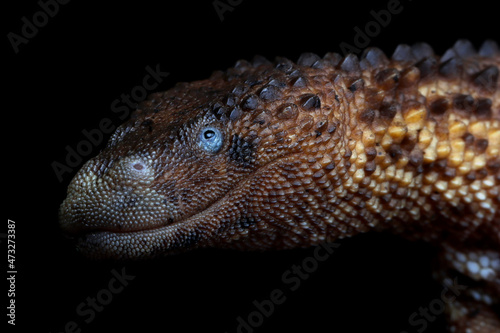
<point>124,246</point>
<point>105,245</point>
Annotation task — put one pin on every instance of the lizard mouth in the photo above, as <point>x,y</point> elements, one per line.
<point>97,235</point>
<point>80,219</point>
<point>147,242</point>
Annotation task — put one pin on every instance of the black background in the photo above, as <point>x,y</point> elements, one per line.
<point>64,80</point>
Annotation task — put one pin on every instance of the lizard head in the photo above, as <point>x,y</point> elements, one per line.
<point>194,166</point>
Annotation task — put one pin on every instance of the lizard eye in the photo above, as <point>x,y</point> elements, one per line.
<point>210,139</point>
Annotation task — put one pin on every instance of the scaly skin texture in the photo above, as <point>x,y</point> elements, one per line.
<point>314,151</point>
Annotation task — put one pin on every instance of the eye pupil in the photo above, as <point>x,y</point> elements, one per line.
<point>208,134</point>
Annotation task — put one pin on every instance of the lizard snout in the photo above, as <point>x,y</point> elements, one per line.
<point>116,198</point>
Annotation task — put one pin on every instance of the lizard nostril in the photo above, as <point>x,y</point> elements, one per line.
<point>138,166</point>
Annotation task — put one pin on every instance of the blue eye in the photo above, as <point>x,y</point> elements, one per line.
<point>210,139</point>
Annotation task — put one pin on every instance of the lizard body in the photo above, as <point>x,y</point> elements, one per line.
<point>277,155</point>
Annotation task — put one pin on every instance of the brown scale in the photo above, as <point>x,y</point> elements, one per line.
<point>312,151</point>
